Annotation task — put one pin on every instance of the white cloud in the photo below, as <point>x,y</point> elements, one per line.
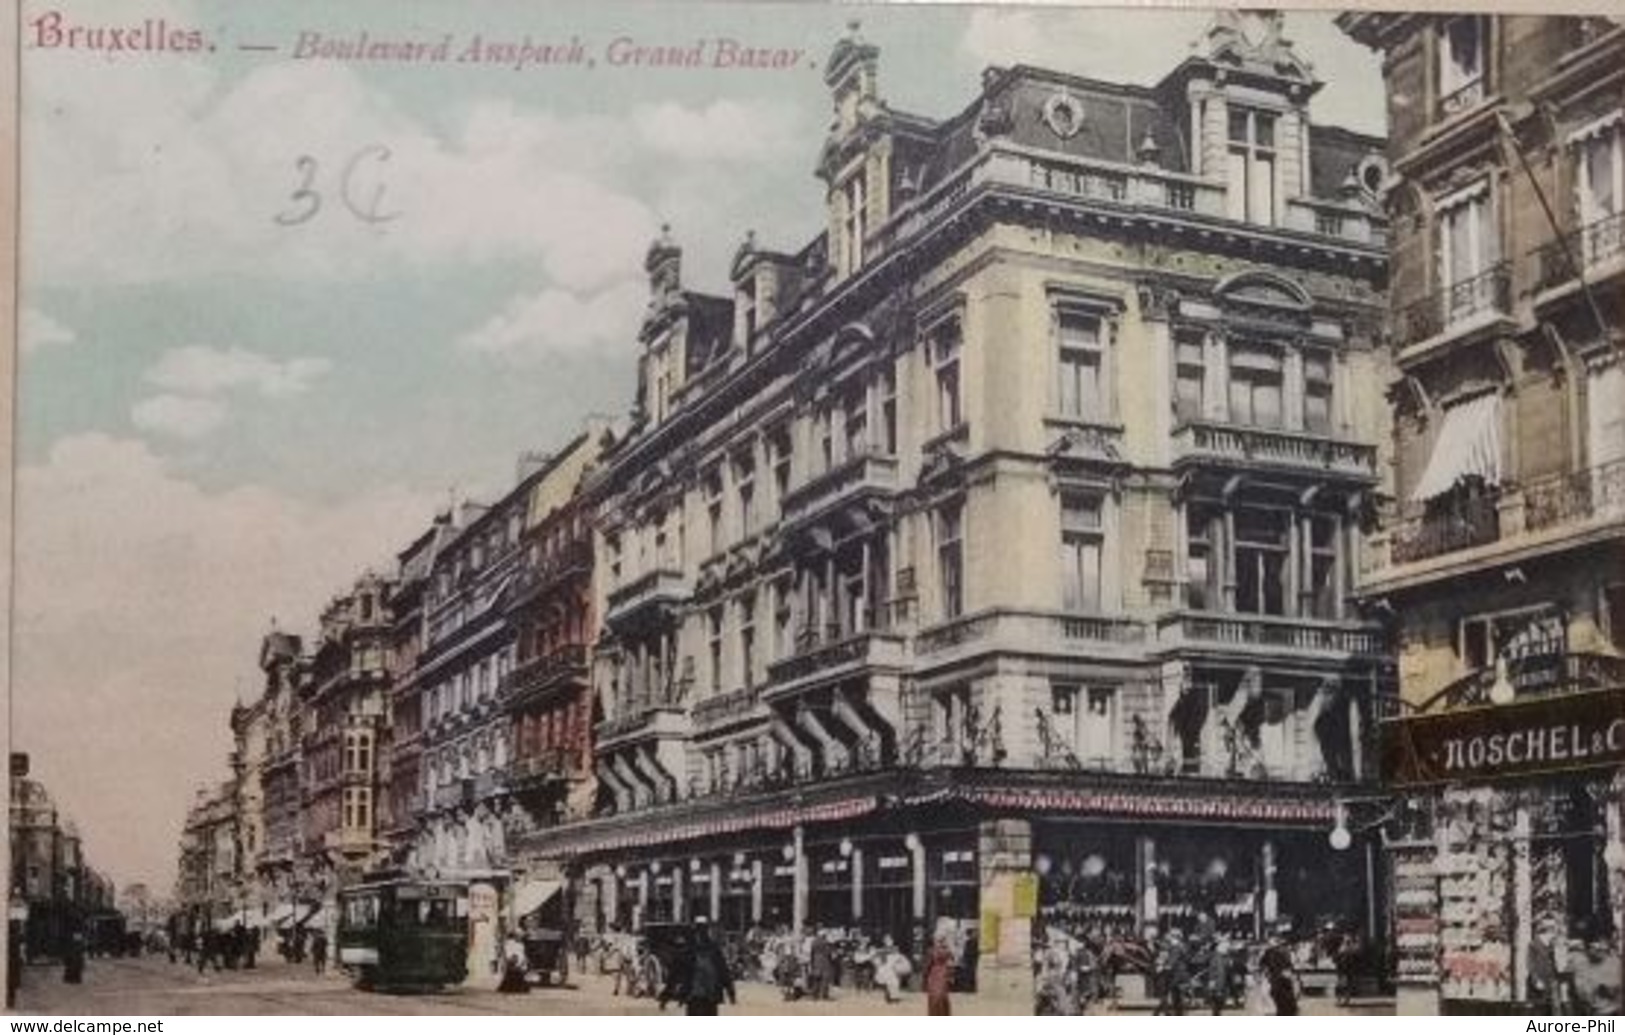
<point>39,331</point>
<point>1139,46</point>
<point>726,130</point>
<point>178,416</point>
<point>140,600</point>
<point>534,327</point>
<point>200,370</point>
<point>180,176</point>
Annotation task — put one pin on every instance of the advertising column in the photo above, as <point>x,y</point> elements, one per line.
<point>484,938</point>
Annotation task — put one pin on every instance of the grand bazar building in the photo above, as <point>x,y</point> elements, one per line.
<point>1503,556</point>
<point>990,557</point>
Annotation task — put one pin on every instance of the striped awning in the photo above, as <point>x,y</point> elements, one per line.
<point>1156,806</point>
<point>775,819</point>
<point>1468,446</point>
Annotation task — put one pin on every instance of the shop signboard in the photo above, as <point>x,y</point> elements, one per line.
<point>1560,733</point>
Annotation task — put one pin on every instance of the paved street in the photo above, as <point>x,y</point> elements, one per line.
<point>152,986</point>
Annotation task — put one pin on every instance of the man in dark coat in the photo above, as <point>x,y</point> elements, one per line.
<point>1218,974</point>
<point>14,964</point>
<point>1543,976</point>
<point>1173,974</point>
<point>73,958</point>
<point>1281,975</point>
<point>700,976</point>
<point>821,967</point>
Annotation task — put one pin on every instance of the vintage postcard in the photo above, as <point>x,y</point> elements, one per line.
<point>816,510</point>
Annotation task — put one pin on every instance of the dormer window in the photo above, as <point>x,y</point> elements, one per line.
<point>1461,64</point>
<point>748,324</point>
<point>853,201</point>
<point>1251,171</point>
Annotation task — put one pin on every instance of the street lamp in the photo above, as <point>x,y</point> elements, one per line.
<point>1502,691</point>
<point>1340,837</point>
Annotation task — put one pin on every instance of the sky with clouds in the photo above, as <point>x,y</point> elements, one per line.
<point>227,411</point>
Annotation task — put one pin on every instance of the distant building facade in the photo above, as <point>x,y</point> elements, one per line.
<point>343,735</point>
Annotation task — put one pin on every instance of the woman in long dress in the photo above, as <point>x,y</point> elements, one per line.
<point>938,979</point>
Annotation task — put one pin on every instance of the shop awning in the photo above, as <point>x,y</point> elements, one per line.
<point>1468,446</point>
<point>281,915</point>
<point>533,895</point>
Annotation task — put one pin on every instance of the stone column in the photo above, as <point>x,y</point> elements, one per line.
<point>756,888</point>
<point>716,893</point>
<point>798,901</point>
<point>1146,881</point>
<point>916,852</point>
<point>855,861</point>
<point>1005,858</point>
<point>1269,908</point>
<point>679,893</point>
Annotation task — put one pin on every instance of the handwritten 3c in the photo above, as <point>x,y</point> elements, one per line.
<point>360,188</point>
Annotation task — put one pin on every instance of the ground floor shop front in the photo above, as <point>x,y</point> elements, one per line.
<point>1508,880</point>
<point>987,859</point>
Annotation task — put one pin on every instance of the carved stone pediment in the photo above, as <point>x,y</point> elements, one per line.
<point>1087,443</point>
<point>941,458</point>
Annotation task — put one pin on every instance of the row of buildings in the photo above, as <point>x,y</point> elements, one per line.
<point>54,889</point>
<point>1127,510</point>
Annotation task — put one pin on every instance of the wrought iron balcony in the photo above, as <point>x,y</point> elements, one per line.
<point>1595,247</point>
<point>542,767</point>
<point>575,558</point>
<point>1575,498</point>
<point>1461,304</point>
<point>652,592</point>
<point>562,666</point>
<point>833,654</point>
<point>1533,675</point>
<point>1270,633</point>
<point>1304,450</point>
<point>1444,526</point>
<point>721,708</point>
<point>864,475</point>
<point>655,720</point>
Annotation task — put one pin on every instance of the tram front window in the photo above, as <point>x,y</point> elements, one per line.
<point>437,912</point>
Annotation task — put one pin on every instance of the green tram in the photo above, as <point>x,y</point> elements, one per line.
<point>398,933</point>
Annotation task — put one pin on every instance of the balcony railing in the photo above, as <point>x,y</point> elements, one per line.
<point>1462,98</point>
<point>574,558</point>
<point>1042,630</point>
<point>541,766</point>
<point>867,473</point>
<point>539,675</point>
<point>1531,675</point>
<point>720,708</point>
<point>1270,632</point>
<point>663,586</point>
<point>1575,498</point>
<point>1593,247</point>
<point>1444,526</point>
<point>1129,187</point>
<point>661,719</point>
<point>1484,294</point>
<point>1283,448</point>
<point>873,647</point>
